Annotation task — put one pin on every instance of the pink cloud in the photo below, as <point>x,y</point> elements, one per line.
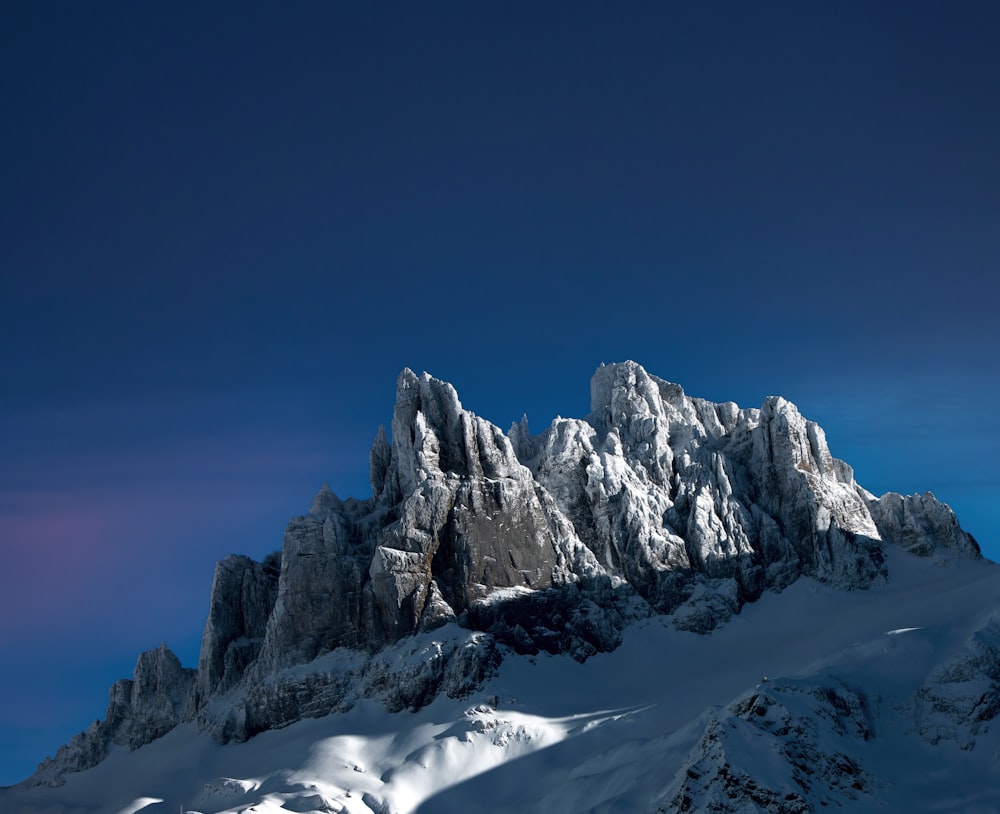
<point>52,556</point>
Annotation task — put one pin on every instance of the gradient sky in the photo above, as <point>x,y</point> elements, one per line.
<point>226,229</point>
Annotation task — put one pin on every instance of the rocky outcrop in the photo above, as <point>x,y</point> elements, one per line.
<point>921,524</point>
<point>676,494</point>
<point>405,675</point>
<point>455,516</point>
<point>656,502</point>
<point>784,748</point>
<point>320,603</point>
<point>579,619</point>
<point>960,700</point>
<point>242,598</point>
<point>140,710</point>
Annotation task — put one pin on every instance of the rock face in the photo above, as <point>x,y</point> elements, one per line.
<point>673,493</point>
<point>454,516</point>
<point>242,598</point>
<point>921,524</point>
<point>960,700</point>
<point>140,710</point>
<point>656,502</point>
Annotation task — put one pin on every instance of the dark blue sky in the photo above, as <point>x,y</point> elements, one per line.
<point>225,230</point>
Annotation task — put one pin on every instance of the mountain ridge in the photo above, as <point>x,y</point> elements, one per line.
<point>655,504</point>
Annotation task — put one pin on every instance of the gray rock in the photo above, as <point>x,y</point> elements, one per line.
<point>406,675</point>
<point>677,495</point>
<point>321,601</point>
<point>242,598</point>
<point>456,517</point>
<point>140,710</point>
<point>921,524</point>
<point>808,736</point>
<point>960,700</point>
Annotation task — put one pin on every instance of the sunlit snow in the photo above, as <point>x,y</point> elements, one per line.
<point>551,735</point>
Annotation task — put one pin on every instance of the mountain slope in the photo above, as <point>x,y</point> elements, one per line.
<point>625,730</point>
<point>630,541</point>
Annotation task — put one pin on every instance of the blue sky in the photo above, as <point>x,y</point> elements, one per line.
<point>227,229</point>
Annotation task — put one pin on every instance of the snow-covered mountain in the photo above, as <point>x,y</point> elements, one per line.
<point>670,605</point>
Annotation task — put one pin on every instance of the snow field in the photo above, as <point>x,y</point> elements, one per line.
<point>619,732</point>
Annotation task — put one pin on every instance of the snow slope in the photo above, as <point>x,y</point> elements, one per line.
<point>876,700</point>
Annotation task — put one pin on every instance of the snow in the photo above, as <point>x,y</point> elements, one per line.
<point>139,804</point>
<point>498,596</point>
<point>549,734</point>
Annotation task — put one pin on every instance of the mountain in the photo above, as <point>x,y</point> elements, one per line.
<point>669,605</point>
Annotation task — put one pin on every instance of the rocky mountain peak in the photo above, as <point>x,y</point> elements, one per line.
<point>623,390</point>
<point>656,502</point>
